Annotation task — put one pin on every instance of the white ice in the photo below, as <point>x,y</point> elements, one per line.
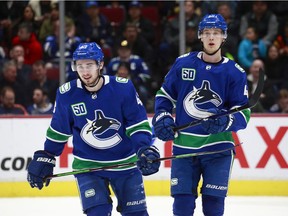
<point>157,206</point>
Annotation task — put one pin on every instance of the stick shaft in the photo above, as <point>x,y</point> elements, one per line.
<point>134,163</point>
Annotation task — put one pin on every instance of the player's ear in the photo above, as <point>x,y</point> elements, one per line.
<point>101,65</point>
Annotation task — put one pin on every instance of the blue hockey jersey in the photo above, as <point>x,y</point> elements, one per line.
<point>139,69</point>
<point>108,127</point>
<point>193,86</point>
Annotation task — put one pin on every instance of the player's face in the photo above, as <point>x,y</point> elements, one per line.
<point>88,71</point>
<point>212,39</point>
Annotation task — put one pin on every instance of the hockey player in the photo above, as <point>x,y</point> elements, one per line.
<point>109,126</point>
<point>200,84</point>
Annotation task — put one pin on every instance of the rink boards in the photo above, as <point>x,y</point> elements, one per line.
<point>260,167</point>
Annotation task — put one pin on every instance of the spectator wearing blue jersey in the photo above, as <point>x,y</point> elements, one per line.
<point>251,48</point>
<point>52,48</point>
<point>109,126</point>
<point>199,85</point>
<point>139,71</point>
<point>41,104</point>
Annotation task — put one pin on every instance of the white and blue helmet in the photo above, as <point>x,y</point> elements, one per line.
<point>213,21</point>
<point>87,51</point>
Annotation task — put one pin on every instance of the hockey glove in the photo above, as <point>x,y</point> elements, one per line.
<point>40,167</point>
<point>217,125</point>
<point>145,164</point>
<point>163,126</point>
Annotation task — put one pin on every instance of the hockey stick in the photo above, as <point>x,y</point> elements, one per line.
<point>251,103</point>
<point>134,163</point>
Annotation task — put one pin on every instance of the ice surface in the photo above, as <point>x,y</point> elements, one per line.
<point>157,206</point>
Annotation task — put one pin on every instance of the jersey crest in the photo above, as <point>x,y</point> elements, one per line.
<point>92,130</point>
<point>200,96</point>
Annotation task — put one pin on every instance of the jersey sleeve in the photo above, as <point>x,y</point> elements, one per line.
<point>238,96</point>
<point>166,97</point>
<point>135,118</point>
<point>59,130</point>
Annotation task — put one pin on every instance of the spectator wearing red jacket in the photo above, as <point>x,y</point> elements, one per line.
<point>28,40</point>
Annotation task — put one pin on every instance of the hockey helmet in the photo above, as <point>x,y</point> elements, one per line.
<point>87,51</point>
<point>213,21</point>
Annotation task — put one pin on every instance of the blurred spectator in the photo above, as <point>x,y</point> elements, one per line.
<point>40,80</point>
<point>52,49</point>
<point>51,44</point>
<point>144,25</point>
<point>10,78</point>
<point>73,9</point>
<point>276,67</point>
<point>139,45</point>
<point>250,48</point>
<point>9,12</point>
<point>46,28</point>
<point>2,57</point>
<point>169,47</point>
<point>138,70</point>
<point>267,98</point>
<point>191,36</point>
<point>208,7</point>
<point>94,26</point>
<point>282,41</point>
<point>137,65</point>
<point>123,70</point>
<point>28,16</point>
<point>282,102</point>
<point>8,105</point>
<point>41,104</point>
<point>42,9</point>
<point>115,4</point>
<point>23,70</point>
<point>27,39</point>
<point>230,47</point>
<point>261,18</point>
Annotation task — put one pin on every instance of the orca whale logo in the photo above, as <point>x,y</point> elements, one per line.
<point>101,124</point>
<point>198,97</point>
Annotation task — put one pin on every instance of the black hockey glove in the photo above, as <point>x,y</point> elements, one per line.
<point>217,125</point>
<point>163,126</point>
<point>146,155</point>
<point>40,167</point>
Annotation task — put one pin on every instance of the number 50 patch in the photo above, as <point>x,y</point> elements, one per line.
<point>79,109</point>
<point>188,73</point>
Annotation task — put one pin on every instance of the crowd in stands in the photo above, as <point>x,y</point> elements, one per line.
<point>140,41</point>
